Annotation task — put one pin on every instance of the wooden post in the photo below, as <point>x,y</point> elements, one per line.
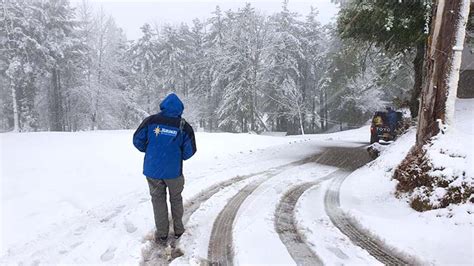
<point>441,69</point>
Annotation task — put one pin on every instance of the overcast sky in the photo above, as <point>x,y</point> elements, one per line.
<point>131,15</point>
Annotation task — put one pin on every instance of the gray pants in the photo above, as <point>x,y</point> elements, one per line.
<point>160,208</point>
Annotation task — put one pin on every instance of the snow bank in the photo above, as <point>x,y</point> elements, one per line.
<point>450,155</point>
<point>453,151</point>
<point>441,236</point>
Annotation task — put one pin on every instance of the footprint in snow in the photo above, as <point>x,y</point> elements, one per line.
<point>62,252</point>
<point>75,245</point>
<point>129,227</point>
<point>338,253</point>
<point>78,231</point>
<point>108,254</point>
<point>116,212</point>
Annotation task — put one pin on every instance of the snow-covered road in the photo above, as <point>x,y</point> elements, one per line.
<point>249,224</point>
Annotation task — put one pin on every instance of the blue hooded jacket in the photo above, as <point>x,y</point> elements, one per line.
<point>392,119</point>
<point>166,139</point>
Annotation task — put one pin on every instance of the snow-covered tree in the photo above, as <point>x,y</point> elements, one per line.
<point>72,69</point>
<point>200,65</point>
<point>143,54</point>
<point>218,26</point>
<point>242,69</point>
<point>63,49</point>
<point>314,68</point>
<point>110,68</point>
<point>173,58</point>
<point>284,60</point>
<point>396,26</point>
<point>361,97</point>
<point>23,59</point>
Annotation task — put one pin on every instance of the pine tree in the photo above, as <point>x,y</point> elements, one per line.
<point>285,59</point>
<point>215,57</point>
<point>24,60</point>
<point>63,48</point>
<point>143,55</point>
<point>242,68</point>
<point>313,68</point>
<point>200,76</point>
<point>173,51</point>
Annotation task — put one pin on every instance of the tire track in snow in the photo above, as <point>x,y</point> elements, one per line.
<point>332,206</point>
<point>152,254</point>
<point>220,250</point>
<point>286,225</point>
<point>285,222</point>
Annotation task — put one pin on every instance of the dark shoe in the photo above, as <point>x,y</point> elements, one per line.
<point>177,236</point>
<point>162,240</point>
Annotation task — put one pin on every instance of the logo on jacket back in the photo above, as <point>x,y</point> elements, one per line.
<point>165,131</point>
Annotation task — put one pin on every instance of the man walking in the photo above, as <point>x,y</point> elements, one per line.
<point>167,140</point>
<point>392,120</point>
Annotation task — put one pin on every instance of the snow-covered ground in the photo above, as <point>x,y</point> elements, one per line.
<point>81,198</point>
<point>332,246</point>
<point>442,237</point>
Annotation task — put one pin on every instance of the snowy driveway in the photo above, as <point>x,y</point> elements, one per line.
<point>240,221</point>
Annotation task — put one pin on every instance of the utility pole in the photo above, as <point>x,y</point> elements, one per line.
<point>442,63</point>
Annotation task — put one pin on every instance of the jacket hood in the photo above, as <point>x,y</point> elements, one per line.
<point>172,106</point>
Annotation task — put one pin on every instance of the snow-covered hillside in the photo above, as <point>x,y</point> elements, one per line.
<point>443,236</point>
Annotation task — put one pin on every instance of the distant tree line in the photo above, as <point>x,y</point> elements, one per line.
<point>70,69</point>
